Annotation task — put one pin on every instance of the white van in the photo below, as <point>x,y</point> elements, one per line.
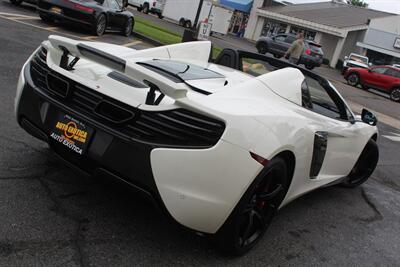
<point>149,6</point>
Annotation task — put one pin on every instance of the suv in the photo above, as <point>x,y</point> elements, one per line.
<point>279,44</point>
<point>355,61</point>
<point>149,6</point>
<point>383,78</point>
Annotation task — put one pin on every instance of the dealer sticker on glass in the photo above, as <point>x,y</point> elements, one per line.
<point>71,133</point>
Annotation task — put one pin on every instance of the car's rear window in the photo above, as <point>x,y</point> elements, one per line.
<point>315,47</point>
<point>180,70</point>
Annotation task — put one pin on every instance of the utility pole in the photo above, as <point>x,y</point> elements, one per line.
<point>189,34</point>
<point>196,20</point>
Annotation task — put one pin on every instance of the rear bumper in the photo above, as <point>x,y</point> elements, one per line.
<point>190,185</point>
<point>316,62</point>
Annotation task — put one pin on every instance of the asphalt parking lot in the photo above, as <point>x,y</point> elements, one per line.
<point>50,215</point>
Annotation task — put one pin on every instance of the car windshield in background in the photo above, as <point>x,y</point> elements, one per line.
<point>179,70</point>
<point>359,59</point>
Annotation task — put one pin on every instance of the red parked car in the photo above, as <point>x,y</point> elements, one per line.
<point>384,78</point>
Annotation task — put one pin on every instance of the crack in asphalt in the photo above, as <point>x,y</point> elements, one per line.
<point>377,215</point>
<point>77,240</point>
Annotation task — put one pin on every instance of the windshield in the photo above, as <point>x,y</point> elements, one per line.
<point>179,70</point>
<point>360,59</point>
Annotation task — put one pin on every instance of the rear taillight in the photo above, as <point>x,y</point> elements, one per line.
<point>83,8</point>
<point>259,159</point>
<point>308,51</point>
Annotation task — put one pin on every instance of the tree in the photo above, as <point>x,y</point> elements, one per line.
<point>359,3</point>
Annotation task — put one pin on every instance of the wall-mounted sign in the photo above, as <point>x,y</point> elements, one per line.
<point>396,43</point>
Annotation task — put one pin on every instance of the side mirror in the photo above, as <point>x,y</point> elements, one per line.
<point>368,117</point>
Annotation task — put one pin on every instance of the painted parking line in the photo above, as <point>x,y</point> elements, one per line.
<point>51,28</point>
<point>16,15</point>
<point>394,137</point>
<point>90,37</point>
<point>40,27</point>
<point>132,43</point>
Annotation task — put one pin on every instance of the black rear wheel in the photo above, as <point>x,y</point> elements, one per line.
<point>101,25</point>
<point>182,22</point>
<point>146,8</point>
<point>254,212</point>
<point>364,166</point>
<point>395,94</point>
<point>262,48</point>
<point>188,24</point>
<point>127,31</point>
<point>309,66</point>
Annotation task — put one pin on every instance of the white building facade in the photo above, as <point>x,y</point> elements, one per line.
<point>338,27</point>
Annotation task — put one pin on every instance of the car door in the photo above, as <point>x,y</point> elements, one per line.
<point>392,78</point>
<point>338,141</point>
<point>278,44</point>
<point>116,18</point>
<point>376,77</point>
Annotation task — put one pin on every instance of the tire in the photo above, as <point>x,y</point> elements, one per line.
<point>395,94</point>
<point>252,215</point>
<point>46,18</point>
<point>16,2</point>
<point>364,166</point>
<point>353,79</point>
<point>100,26</point>
<point>309,66</point>
<point>182,22</point>
<point>188,24</point>
<point>262,48</point>
<point>128,29</point>
<point>160,16</point>
<point>146,8</point>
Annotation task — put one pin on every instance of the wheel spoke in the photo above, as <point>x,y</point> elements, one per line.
<point>268,196</point>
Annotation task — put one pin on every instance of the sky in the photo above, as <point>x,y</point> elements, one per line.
<point>392,6</point>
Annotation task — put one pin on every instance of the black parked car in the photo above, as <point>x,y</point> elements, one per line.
<point>279,44</point>
<point>98,15</point>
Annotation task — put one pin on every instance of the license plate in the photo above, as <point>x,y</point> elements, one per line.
<point>56,10</point>
<point>71,133</point>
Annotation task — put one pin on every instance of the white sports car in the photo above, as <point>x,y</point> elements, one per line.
<point>219,146</point>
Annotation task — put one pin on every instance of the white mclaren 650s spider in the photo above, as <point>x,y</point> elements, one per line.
<point>220,145</point>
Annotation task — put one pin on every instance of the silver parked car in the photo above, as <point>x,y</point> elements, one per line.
<point>279,44</point>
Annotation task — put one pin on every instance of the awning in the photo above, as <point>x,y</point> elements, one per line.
<point>379,49</point>
<point>241,5</point>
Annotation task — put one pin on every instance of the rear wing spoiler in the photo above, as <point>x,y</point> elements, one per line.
<point>66,46</point>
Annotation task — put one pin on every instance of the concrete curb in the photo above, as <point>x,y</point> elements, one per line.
<point>147,39</point>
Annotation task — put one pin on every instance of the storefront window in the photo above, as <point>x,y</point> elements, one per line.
<point>273,28</point>
<point>237,21</point>
<point>308,35</point>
